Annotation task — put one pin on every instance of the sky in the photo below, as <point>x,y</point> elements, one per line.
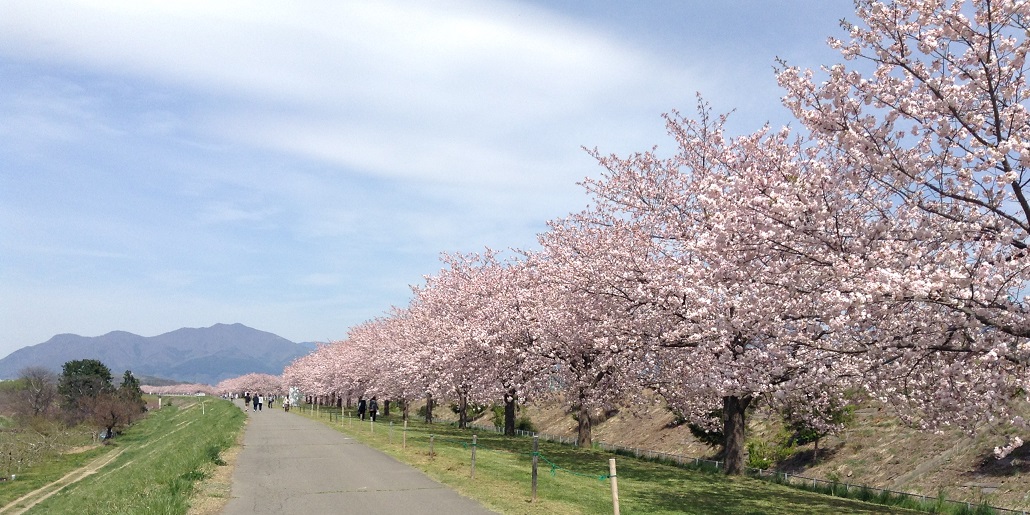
<point>297,166</point>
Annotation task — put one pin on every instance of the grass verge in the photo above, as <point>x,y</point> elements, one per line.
<point>160,460</point>
<point>575,481</point>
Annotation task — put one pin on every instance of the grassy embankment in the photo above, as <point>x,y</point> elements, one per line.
<point>152,468</point>
<point>574,481</point>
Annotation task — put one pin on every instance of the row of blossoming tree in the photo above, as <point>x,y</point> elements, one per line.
<point>879,250</point>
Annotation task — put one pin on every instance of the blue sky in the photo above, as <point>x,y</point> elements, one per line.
<point>295,166</point>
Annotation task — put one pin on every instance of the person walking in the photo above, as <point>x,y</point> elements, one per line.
<point>261,402</point>
<point>361,408</point>
<point>254,401</point>
<point>373,408</point>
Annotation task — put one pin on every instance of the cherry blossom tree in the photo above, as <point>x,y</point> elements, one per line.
<point>182,389</point>
<point>580,321</point>
<point>254,382</point>
<point>930,108</point>
<point>514,365</point>
<point>393,354</point>
<point>724,272</point>
<point>480,305</point>
<point>322,374</point>
<point>448,326</point>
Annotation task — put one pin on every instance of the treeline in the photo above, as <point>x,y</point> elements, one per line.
<point>83,393</point>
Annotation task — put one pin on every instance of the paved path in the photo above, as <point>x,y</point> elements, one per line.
<point>294,465</point>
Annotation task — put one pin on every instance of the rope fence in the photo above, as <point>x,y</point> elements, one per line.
<point>835,488</point>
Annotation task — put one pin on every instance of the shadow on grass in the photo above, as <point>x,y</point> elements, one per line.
<point>807,458</point>
<point>1018,462</point>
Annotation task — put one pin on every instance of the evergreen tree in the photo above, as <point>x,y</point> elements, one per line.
<point>83,380</point>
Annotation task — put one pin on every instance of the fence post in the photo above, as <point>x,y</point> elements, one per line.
<point>404,439</point>
<point>431,437</point>
<point>536,454</point>
<point>473,456</point>
<point>615,484</point>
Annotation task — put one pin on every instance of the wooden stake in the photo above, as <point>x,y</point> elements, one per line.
<point>536,454</point>
<point>615,484</point>
<point>473,474</point>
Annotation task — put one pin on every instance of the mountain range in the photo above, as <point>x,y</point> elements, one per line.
<point>195,355</point>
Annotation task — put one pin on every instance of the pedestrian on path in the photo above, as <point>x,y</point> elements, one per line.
<point>361,408</point>
<point>373,408</point>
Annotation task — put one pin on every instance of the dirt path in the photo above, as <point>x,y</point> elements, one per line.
<point>31,499</point>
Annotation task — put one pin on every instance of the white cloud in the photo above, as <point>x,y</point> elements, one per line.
<point>389,87</point>
<point>181,163</point>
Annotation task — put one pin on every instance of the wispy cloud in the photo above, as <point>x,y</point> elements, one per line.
<point>298,163</point>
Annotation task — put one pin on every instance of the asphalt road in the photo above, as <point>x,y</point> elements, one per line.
<point>293,465</point>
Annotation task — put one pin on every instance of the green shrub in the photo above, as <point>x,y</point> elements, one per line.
<point>763,455</point>
<point>523,423</point>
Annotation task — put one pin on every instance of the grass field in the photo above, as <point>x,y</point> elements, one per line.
<point>152,468</point>
<point>575,481</point>
<point>156,466</point>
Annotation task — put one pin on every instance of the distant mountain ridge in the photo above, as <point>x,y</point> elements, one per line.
<point>195,355</point>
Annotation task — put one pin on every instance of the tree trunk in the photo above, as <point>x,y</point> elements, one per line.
<point>509,413</point>
<point>463,411</point>
<point>429,408</point>
<point>733,408</point>
<point>386,408</point>
<point>404,408</point>
<point>585,439</point>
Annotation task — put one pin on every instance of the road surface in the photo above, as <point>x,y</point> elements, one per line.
<point>294,465</point>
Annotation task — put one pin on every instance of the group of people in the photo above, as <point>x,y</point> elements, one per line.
<point>372,408</point>
<point>258,401</point>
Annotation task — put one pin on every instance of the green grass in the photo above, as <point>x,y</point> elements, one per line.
<point>574,481</point>
<point>49,471</point>
<point>161,459</point>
